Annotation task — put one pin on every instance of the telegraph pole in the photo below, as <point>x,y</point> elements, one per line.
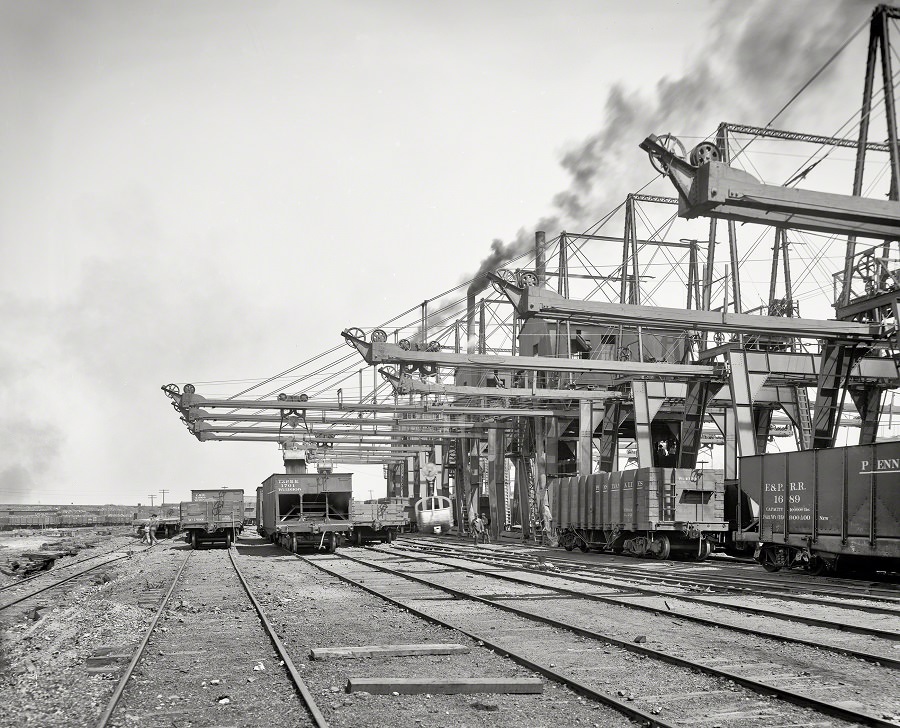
<point>162,503</point>
<point>152,498</point>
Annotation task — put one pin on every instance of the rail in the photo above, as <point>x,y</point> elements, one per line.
<point>57,583</point>
<point>126,676</point>
<point>823,706</point>
<point>305,695</point>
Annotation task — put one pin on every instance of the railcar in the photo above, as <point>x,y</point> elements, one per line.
<point>306,509</point>
<point>653,512</point>
<point>213,516</point>
<point>825,509</point>
<point>377,521</point>
<point>250,512</point>
<point>434,514</point>
<point>56,519</point>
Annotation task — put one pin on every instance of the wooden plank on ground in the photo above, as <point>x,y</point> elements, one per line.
<point>437,686</point>
<point>324,653</point>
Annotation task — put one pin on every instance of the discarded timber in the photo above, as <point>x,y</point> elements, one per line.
<point>324,653</point>
<point>437,686</point>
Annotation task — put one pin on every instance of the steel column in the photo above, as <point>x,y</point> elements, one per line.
<point>585,436</point>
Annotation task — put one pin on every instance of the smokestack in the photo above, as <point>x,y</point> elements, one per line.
<point>540,261</point>
<point>471,311</point>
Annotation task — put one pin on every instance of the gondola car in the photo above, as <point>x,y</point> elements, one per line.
<point>213,515</point>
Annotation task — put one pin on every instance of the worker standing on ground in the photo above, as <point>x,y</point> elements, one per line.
<point>151,529</point>
<point>478,530</point>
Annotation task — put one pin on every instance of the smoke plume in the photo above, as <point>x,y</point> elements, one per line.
<point>756,57</point>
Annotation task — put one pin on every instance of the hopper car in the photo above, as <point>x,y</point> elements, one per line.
<point>377,521</point>
<point>306,509</point>
<point>213,516</point>
<point>653,512</point>
<point>826,509</point>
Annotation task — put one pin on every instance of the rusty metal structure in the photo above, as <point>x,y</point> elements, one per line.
<point>532,382</point>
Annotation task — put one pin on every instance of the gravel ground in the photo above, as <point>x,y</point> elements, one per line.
<point>310,609</point>
<point>674,606</point>
<point>842,612</point>
<point>867,689</point>
<point>44,681</point>
<point>87,542</point>
<point>209,660</point>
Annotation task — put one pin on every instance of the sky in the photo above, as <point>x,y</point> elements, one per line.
<point>209,192</point>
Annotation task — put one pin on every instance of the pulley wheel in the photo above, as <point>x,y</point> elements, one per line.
<point>379,336</point>
<point>529,278</point>
<point>704,153</point>
<point>356,334</point>
<point>671,144</point>
<point>404,344</point>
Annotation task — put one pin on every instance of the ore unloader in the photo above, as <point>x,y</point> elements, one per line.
<point>306,509</point>
<point>213,516</point>
<point>822,509</point>
<point>653,512</point>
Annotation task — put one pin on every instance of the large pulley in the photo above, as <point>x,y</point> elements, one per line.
<point>671,144</point>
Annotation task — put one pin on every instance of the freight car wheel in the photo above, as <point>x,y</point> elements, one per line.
<point>194,543</point>
<point>817,566</point>
<point>358,538</point>
<point>568,541</point>
<point>771,568</point>
<point>703,551</point>
<point>660,547</point>
<point>390,537</point>
<point>331,545</point>
<point>584,547</point>
<point>228,539</point>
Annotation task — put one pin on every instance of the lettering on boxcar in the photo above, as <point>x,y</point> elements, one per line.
<point>889,465</point>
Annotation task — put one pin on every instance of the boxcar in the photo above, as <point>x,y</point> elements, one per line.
<point>212,515</point>
<point>249,511</point>
<point>820,509</point>
<point>377,521</point>
<point>306,509</point>
<point>646,512</point>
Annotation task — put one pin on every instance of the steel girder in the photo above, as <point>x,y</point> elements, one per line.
<point>545,304</point>
<point>385,353</point>
<point>716,190</point>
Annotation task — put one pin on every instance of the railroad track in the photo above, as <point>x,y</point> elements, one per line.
<point>719,581</point>
<point>561,583</point>
<point>59,582</point>
<point>640,584</point>
<point>226,638</point>
<point>558,640</point>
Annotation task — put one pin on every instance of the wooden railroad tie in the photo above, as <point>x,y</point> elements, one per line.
<point>109,659</point>
<point>325,653</point>
<point>438,686</point>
